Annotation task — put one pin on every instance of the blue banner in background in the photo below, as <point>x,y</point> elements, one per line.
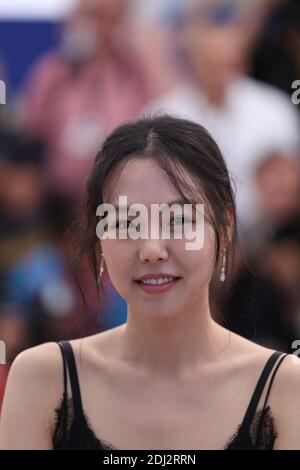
<point>21,44</point>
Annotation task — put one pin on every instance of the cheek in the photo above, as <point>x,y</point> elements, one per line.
<point>118,258</point>
<point>200,267</point>
<point>200,263</point>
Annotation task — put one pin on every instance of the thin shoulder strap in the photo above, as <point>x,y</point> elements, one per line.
<point>252,407</point>
<point>65,370</point>
<point>272,378</point>
<point>69,363</point>
<point>267,395</point>
<point>65,394</point>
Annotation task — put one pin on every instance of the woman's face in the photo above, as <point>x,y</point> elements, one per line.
<point>143,181</point>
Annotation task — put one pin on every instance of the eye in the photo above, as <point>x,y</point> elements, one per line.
<point>124,224</point>
<point>181,220</point>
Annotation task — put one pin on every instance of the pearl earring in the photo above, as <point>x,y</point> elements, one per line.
<point>223,276</point>
<point>101,270</point>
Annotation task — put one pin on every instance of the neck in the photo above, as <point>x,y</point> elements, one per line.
<point>216,97</point>
<point>175,346</point>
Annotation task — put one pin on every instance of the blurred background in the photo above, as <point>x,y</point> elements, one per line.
<point>74,70</point>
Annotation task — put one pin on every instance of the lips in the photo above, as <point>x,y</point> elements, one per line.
<point>157,288</point>
<point>156,276</point>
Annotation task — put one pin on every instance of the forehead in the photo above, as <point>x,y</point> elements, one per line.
<point>142,180</point>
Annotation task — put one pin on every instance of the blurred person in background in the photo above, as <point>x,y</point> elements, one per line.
<point>259,305</point>
<point>264,303</point>
<point>156,24</point>
<point>277,182</point>
<point>35,277</point>
<point>21,196</point>
<point>76,94</point>
<point>278,187</point>
<point>276,52</point>
<point>247,118</point>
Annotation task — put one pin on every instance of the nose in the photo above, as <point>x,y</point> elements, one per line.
<point>153,251</point>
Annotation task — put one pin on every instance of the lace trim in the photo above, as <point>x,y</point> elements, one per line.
<point>262,433</point>
<point>65,411</point>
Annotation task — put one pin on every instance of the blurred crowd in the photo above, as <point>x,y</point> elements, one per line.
<point>227,64</point>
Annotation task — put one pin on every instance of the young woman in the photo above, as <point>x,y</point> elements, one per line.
<point>164,378</point>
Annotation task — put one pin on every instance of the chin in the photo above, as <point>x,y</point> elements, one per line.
<point>162,313</point>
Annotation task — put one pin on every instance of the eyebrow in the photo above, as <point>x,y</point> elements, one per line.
<point>170,203</point>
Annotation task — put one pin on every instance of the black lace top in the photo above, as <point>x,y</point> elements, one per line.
<point>73,431</point>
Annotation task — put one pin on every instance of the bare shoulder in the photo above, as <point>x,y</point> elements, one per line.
<point>102,348</point>
<point>43,363</point>
<point>284,398</point>
<point>40,368</point>
<point>256,356</point>
<point>246,360</point>
<point>39,362</point>
<point>249,356</point>
<point>35,367</point>
<point>34,390</point>
<point>33,386</point>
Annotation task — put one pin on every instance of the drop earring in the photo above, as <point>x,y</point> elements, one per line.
<point>101,270</point>
<point>223,276</point>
